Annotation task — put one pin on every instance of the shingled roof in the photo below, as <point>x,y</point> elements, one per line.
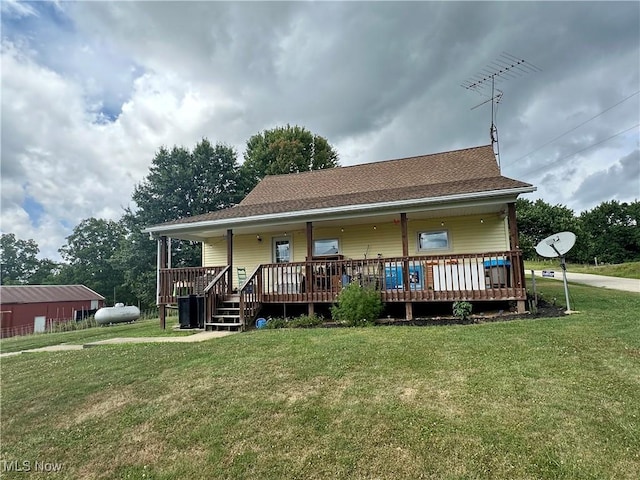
<point>470,170</point>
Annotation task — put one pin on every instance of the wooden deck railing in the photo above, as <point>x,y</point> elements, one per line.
<point>471,277</point>
<point>484,276</point>
<point>176,282</point>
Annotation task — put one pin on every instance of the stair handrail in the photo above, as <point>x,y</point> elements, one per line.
<point>253,295</point>
<point>215,280</point>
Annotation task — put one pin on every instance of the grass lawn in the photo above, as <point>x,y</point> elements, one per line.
<point>140,328</point>
<point>624,270</point>
<point>528,399</point>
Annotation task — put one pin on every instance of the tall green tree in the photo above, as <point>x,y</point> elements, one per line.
<point>613,231</point>
<point>284,150</point>
<point>89,256</point>
<point>180,183</point>
<point>18,260</point>
<point>537,220</point>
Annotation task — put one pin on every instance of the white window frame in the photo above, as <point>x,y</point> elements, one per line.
<point>434,249</point>
<point>331,239</point>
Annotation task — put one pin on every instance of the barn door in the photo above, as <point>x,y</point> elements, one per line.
<point>39,324</point>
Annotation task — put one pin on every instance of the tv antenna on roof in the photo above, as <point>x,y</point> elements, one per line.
<point>505,67</point>
<point>557,245</point>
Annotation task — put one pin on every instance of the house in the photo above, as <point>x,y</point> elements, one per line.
<point>432,228</point>
<point>33,308</point>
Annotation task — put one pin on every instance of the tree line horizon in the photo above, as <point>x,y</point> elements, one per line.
<point>118,261</point>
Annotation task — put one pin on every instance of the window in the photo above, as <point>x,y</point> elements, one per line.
<point>325,247</point>
<point>433,240</point>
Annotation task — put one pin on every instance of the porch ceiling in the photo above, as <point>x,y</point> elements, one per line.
<point>284,224</point>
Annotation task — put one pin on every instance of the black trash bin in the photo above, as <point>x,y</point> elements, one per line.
<point>184,311</point>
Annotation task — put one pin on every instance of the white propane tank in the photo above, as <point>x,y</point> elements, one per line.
<point>117,314</point>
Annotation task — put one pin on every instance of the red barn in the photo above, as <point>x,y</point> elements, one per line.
<point>33,308</point>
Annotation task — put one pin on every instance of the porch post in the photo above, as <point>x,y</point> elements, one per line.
<point>405,254</point>
<point>308,269</point>
<point>405,237</point>
<point>162,263</point>
<point>518,271</point>
<point>230,261</point>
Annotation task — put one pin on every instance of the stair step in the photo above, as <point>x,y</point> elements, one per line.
<point>235,309</point>
<point>218,315</point>
<point>218,324</point>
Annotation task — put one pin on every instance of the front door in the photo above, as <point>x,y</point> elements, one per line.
<point>281,250</point>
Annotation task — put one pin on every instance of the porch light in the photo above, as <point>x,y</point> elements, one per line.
<point>482,220</point>
<point>442,224</point>
<point>374,227</point>
<point>259,238</point>
<point>342,229</point>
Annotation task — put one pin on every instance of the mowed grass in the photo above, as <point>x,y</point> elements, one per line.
<point>140,328</point>
<point>623,270</point>
<point>527,399</point>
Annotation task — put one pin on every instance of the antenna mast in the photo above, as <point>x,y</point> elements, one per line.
<point>505,67</point>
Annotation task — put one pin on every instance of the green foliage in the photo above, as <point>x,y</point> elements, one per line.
<point>18,261</point>
<point>180,183</point>
<point>609,231</point>
<point>537,220</point>
<point>303,321</point>
<point>613,232</point>
<point>285,150</point>
<point>462,310</point>
<point>89,253</point>
<point>357,306</point>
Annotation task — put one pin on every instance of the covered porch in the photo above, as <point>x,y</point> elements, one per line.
<point>490,276</point>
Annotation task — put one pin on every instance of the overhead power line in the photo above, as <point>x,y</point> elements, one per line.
<point>581,150</point>
<point>575,128</point>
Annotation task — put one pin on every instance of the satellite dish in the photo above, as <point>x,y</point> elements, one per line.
<point>556,245</point>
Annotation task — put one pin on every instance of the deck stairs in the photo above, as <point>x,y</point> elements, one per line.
<point>227,315</point>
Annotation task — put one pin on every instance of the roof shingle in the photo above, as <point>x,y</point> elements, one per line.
<point>469,170</point>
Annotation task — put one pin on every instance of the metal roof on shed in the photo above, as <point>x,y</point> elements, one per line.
<point>46,293</point>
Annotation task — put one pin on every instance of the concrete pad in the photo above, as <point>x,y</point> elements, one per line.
<point>197,337</point>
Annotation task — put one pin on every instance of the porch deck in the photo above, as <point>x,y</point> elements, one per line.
<point>492,276</point>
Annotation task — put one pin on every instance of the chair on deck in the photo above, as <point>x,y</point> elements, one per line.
<point>242,276</point>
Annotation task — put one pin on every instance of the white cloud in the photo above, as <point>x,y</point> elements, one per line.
<point>91,90</point>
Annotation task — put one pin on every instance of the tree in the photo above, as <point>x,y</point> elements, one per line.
<point>612,231</point>
<point>89,254</point>
<point>180,183</point>
<point>18,261</point>
<point>537,220</point>
<point>285,150</point>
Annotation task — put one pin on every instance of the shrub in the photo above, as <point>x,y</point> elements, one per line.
<point>462,310</point>
<point>303,321</point>
<point>357,306</point>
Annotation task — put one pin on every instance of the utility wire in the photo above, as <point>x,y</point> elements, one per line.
<point>582,150</point>
<point>575,128</point>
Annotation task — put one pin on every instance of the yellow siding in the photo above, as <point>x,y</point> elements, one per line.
<point>466,235</point>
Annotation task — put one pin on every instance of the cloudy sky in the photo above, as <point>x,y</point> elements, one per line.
<point>90,91</point>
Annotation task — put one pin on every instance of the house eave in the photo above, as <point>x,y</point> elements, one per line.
<point>187,230</point>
